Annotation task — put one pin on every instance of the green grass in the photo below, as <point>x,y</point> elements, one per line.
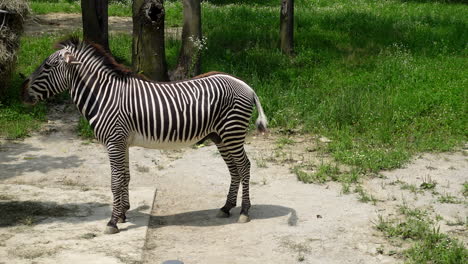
<point>363,196</point>
<point>427,243</point>
<point>116,8</point>
<point>428,184</point>
<point>54,6</point>
<point>16,119</point>
<point>283,141</point>
<point>383,84</point>
<point>322,174</point>
<point>465,189</point>
<point>410,187</point>
<point>447,198</point>
<point>84,129</point>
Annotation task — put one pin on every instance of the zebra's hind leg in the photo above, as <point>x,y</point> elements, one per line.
<point>243,166</point>
<point>124,196</point>
<point>117,154</point>
<point>235,181</point>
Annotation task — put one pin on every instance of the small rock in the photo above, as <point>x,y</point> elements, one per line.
<point>325,140</point>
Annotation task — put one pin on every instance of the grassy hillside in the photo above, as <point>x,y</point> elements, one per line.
<point>382,79</point>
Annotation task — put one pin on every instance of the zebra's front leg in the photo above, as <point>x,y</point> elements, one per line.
<point>124,196</point>
<point>117,155</point>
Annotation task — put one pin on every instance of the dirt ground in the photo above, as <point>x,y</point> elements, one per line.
<point>63,23</point>
<point>175,196</point>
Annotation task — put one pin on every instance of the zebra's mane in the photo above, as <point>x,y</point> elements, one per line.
<point>99,52</point>
<point>109,61</point>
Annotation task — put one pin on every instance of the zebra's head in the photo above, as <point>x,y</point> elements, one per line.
<point>51,77</point>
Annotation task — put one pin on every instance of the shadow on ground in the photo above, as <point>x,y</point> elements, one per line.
<point>15,160</point>
<point>208,217</point>
<point>33,212</point>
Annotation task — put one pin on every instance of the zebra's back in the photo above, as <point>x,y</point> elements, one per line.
<point>173,115</point>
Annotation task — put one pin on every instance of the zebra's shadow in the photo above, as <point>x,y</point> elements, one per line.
<point>208,217</point>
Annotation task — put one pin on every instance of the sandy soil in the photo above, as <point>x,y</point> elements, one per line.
<point>447,171</point>
<point>64,23</point>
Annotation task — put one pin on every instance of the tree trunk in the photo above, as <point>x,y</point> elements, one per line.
<point>287,26</point>
<point>189,63</point>
<point>95,22</point>
<point>12,17</point>
<point>148,50</point>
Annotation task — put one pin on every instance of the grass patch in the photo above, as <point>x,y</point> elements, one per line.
<point>428,244</point>
<point>465,189</point>
<point>410,187</point>
<point>16,119</point>
<point>363,196</point>
<point>381,83</point>
<point>283,141</point>
<point>310,174</point>
<point>447,198</point>
<point>54,6</point>
<point>30,212</point>
<point>84,129</point>
<point>428,184</point>
<point>459,221</point>
<point>116,8</point>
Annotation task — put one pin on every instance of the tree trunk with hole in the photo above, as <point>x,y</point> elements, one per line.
<point>95,22</point>
<point>189,62</point>
<point>287,27</point>
<point>148,49</point>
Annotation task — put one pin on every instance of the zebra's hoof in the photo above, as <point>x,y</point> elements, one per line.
<point>111,230</point>
<point>222,214</point>
<point>243,218</point>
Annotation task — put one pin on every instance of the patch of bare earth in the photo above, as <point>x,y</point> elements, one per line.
<point>65,23</point>
<point>431,182</point>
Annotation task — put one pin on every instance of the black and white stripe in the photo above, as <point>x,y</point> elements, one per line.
<point>125,110</point>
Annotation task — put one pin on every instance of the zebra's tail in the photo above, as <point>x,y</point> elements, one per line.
<point>261,122</point>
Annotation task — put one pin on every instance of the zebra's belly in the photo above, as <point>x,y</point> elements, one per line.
<point>140,141</point>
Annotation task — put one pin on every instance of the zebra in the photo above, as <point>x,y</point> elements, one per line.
<point>125,109</point>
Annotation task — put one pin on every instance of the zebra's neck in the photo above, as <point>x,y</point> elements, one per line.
<point>95,89</point>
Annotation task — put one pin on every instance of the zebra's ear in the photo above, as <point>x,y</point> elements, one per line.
<point>70,58</point>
